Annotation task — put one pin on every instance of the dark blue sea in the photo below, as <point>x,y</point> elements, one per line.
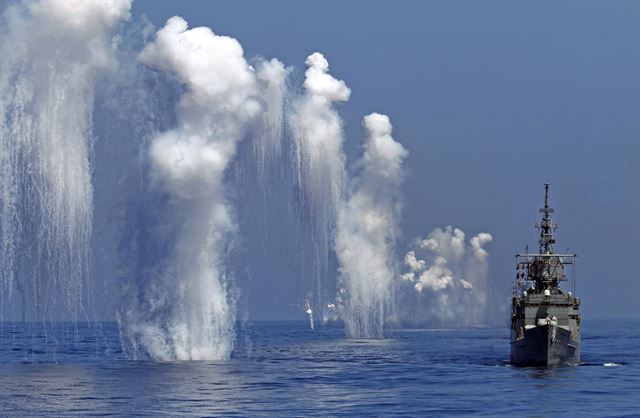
<point>284,369</point>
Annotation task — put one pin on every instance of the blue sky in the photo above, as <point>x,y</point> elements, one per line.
<point>492,99</point>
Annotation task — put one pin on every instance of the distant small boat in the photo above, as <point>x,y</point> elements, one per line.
<point>545,320</point>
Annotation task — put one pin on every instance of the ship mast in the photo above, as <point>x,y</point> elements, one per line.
<point>546,226</point>
<point>546,268</point>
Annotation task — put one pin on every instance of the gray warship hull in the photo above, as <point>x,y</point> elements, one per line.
<point>545,345</point>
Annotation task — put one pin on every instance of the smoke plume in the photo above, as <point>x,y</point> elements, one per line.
<point>319,162</point>
<point>368,229</point>
<point>453,279</point>
<point>182,305</point>
<point>52,53</point>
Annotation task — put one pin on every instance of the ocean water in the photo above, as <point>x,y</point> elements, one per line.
<point>285,369</point>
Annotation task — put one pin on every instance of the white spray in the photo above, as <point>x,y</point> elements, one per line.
<point>52,53</point>
<point>267,141</point>
<point>261,167</point>
<point>454,283</point>
<point>367,231</point>
<point>185,309</point>
<point>320,163</point>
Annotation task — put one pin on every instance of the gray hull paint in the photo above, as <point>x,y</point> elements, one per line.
<point>545,345</point>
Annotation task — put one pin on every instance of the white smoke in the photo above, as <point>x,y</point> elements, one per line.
<point>186,309</point>
<point>367,231</point>
<point>436,277</point>
<point>319,160</point>
<point>454,283</point>
<point>52,53</point>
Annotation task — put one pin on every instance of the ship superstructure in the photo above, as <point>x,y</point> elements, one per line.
<point>545,320</point>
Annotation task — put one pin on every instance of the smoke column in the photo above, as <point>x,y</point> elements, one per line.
<point>319,161</point>
<point>181,305</point>
<point>367,231</point>
<point>52,53</point>
<point>453,285</point>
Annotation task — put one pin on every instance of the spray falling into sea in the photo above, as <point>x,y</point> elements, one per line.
<point>368,229</point>
<point>268,135</point>
<point>317,134</point>
<point>52,53</point>
<point>178,295</point>
<point>261,167</point>
<point>182,306</point>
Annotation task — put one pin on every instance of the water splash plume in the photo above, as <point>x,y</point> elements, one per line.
<point>52,53</point>
<point>182,305</point>
<point>319,160</point>
<point>368,228</point>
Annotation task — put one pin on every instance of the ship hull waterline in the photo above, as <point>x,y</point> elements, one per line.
<point>545,345</point>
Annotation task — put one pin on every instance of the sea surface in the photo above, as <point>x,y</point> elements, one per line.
<point>285,369</point>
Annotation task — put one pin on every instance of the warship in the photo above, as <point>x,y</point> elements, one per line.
<point>545,319</point>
